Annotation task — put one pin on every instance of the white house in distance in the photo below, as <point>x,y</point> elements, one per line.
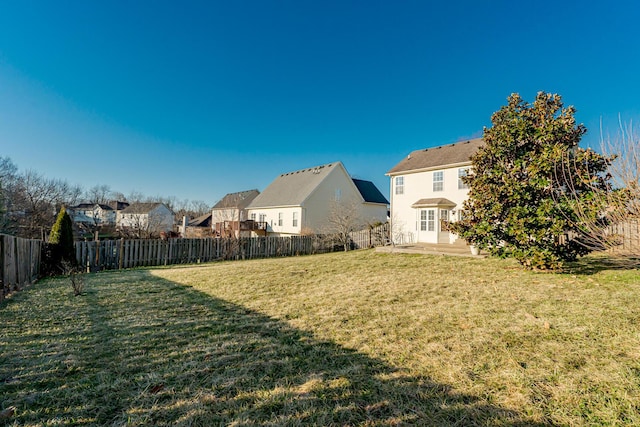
<point>301,201</point>
<point>94,214</point>
<point>146,219</point>
<point>427,191</point>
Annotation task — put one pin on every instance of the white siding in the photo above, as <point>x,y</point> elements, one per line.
<point>419,185</point>
<point>272,215</point>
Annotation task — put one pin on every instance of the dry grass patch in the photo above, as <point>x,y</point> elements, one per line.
<point>339,339</point>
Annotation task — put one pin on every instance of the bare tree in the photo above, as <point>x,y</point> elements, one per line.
<point>8,173</point>
<point>99,194</point>
<point>344,217</point>
<point>36,199</point>
<point>617,225</point>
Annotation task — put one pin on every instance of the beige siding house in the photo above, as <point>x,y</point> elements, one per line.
<point>427,192</point>
<point>229,216</point>
<point>300,201</point>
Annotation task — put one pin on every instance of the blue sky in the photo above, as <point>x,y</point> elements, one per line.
<point>197,99</point>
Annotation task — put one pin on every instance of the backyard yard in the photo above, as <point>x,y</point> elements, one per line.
<point>357,338</point>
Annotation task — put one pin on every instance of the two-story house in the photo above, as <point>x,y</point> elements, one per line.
<point>427,192</point>
<point>146,219</point>
<point>301,201</point>
<point>229,216</point>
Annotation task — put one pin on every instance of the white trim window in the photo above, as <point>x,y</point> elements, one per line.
<point>399,181</point>
<point>431,220</point>
<point>438,181</point>
<point>263,217</point>
<point>423,220</point>
<point>280,219</point>
<point>462,172</point>
<point>253,216</point>
<point>295,219</point>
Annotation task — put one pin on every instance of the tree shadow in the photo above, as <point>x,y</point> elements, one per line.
<point>595,263</point>
<point>166,354</point>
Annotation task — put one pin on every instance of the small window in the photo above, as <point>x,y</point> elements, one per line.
<point>399,184</point>
<point>253,216</point>
<point>431,220</point>
<point>295,219</point>
<point>280,219</point>
<point>263,217</point>
<point>423,220</point>
<point>462,172</point>
<point>438,181</point>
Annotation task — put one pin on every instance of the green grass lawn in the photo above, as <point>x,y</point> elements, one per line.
<point>360,338</point>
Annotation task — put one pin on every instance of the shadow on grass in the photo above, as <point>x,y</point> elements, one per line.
<point>598,262</point>
<point>151,352</point>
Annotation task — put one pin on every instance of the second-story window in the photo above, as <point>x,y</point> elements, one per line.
<point>438,181</point>
<point>295,219</point>
<point>280,219</point>
<point>399,184</point>
<point>462,172</point>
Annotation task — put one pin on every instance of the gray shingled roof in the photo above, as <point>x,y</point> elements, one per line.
<point>201,221</point>
<point>140,208</point>
<point>459,152</point>
<point>239,200</point>
<point>293,188</point>
<point>85,206</point>
<point>370,192</point>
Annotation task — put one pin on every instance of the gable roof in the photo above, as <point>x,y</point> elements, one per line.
<point>201,221</point>
<point>445,155</point>
<point>239,200</point>
<point>85,206</point>
<point>293,188</point>
<point>141,208</point>
<point>370,192</point>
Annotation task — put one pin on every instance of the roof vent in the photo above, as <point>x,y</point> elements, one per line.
<point>316,170</point>
<point>408,156</point>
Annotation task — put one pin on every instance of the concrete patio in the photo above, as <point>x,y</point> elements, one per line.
<point>459,248</point>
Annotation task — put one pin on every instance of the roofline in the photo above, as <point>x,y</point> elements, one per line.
<point>447,166</point>
<point>273,207</point>
<point>344,169</point>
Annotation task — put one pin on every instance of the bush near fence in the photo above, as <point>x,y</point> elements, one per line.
<point>19,263</point>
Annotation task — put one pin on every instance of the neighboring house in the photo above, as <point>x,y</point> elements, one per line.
<point>145,219</point>
<point>301,201</point>
<point>198,227</point>
<point>92,214</point>
<point>229,216</point>
<point>427,192</point>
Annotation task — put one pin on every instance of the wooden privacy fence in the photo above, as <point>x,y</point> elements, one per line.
<point>119,254</point>
<point>371,237</point>
<point>627,233</point>
<point>19,263</point>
